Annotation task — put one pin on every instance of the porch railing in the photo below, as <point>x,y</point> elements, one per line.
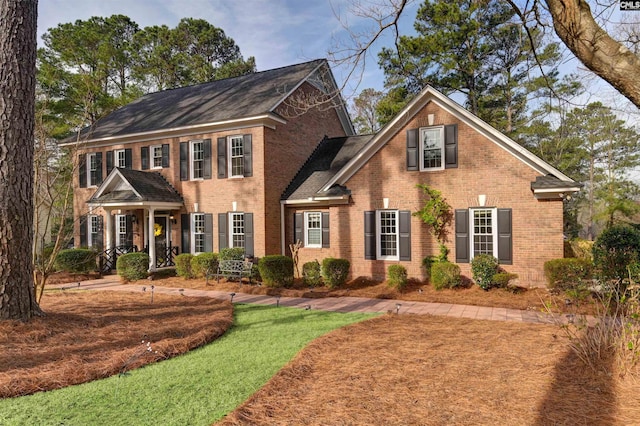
<point>165,256</point>
<point>108,258</point>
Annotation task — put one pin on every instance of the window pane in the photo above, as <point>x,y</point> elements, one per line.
<point>157,156</point>
<point>236,147</point>
<point>388,233</point>
<point>431,148</point>
<point>237,230</point>
<point>120,159</point>
<point>482,232</point>
<point>198,232</point>
<point>198,159</point>
<point>314,228</point>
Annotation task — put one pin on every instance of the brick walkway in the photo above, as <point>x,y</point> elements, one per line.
<point>337,304</point>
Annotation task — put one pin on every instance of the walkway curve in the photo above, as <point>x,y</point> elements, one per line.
<point>336,304</point>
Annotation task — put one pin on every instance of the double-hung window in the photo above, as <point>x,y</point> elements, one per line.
<point>313,229</point>
<point>120,158</point>
<point>94,230</point>
<point>92,169</point>
<point>121,230</point>
<point>236,230</point>
<point>388,235</point>
<point>484,232</point>
<point>432,148</point>
<point>198,240</point>
<point>236,156</point>
<point>156,156</point>
<point>197,159</point>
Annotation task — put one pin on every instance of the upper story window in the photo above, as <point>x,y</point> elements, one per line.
<point>197,159</point>
<point>120,158</point>
<point>92,169</point>
<point>387,234</point>
<point>236,156</point>
<point>313,229</point>
<point>432,148</point>
<point>156,156</point>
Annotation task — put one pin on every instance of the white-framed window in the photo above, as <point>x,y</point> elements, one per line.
<point>236,156</point>
<point>121,230</point>
<point>387,235</point>
<point>92,169</point>
<point>119,158</point>
<point>236,230</point>
<point>198,233</point>
<point>94,230</point>
<point>156,156</point>
<point>484,231</point>
<point>197,159</point>
<point>313,229</point>
<point>432,148</point>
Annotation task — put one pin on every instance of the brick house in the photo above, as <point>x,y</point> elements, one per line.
<point>201,168</point>
<point>355,195</point>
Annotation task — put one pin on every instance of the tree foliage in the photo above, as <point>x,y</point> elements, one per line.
<point>365,111</point>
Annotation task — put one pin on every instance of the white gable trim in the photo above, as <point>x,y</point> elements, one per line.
<point>429,94</point>
<point>114,180</point>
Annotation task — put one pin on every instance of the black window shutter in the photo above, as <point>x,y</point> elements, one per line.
<point>82,171</point>
<point>451,146</point>
<point>184,160</point>
<point>83,232</point>
<point>462,236</point>
<point>128,159</point>
<point>129,225</point>
<point>208,232</point>
<point>185,225</point>
<point>223,242</point>
<point>248,234</point>
<point>207,158</point>
<point>370,235</point>
<point>222,158</point>
<point>298,228</point>
<point>413,151</point>
<point>144,157</point>
<point>325,229</point>
<point>165,155</point>
<point>99,239</point>
<point>405,234</point>
<point>98,169</point>
<point>248,155</point>
<point>505,240</point>
<point>109,162</point>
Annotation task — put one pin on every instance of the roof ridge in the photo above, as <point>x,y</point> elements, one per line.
<point>311,157</point>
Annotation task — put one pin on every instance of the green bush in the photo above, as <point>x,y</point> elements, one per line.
<point>502,279</point>
<point>335,271</point>
<point>183,265</point>
<point>615,249</point>
<point>77,261</point>
<point>204,265</point>
<point>231,253</point>
<point>567,274</point>
<point>276,270</point>
<point>311,274</point>
<point>397,277</point>
<point>133,266</point>
<point>483,268</point>
<point>445,275</point>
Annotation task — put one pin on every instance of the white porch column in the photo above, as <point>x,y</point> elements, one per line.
<point>152,240</point>
<point>109,229</point>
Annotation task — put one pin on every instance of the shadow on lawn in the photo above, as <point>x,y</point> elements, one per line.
<point>580,395</point>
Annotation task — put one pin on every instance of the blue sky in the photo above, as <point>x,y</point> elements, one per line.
<point>276,32</point>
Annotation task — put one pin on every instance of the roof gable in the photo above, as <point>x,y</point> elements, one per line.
<point>427,95</point>
<point>135,186</point>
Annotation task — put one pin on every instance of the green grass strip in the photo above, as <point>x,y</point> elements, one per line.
<point>197,388</point>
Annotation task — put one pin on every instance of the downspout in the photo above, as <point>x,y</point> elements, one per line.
<point>282,234</point>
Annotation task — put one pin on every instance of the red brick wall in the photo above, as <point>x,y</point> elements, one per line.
<point>483,168</point>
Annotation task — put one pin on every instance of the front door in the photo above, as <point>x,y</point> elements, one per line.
<point>163,243</point>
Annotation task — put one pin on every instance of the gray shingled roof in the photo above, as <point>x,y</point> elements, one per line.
<point>219,100</point>
<point>327,159</point>
<point>551,182</point>
<point>151,186</point>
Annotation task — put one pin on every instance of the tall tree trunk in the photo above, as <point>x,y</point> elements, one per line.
<point>17,116</point>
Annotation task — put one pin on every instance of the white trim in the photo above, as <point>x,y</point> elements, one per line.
<point>141,204</point>
<point>90,155</point>
<point>90,219</point>
<point>230,228</point>
<point>230,157</point>
<point>306,229</point>
<point>152,149</point>
<point>421,132</point>
<point>116,159</point>
<point>107,183</point>
<point>192,159</point>
<point>379,255</point>
<point>319,201</point>
<point>118,218</point>
<point>192,237</point>
<point>427,95</point>
<point>494,230</point>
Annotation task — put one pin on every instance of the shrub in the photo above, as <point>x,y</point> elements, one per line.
<point>578,247</point>
<point>614,250</point>
<point>397,277</point>
<point>183,265</point>
<point>483,268</point>
<point>276,270</point>
<point>567,274</point>
<point>311,274</point>
<point>445,275</point>
<point>133,266</point>
<point>335,271</point>
<point>204,265</point>
<point>77,261</point>
<point>231,253</point>
<point>502,279</point>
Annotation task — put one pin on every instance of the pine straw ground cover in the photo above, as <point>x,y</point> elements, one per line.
<point>86,336</point>
<point>426,370</point>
